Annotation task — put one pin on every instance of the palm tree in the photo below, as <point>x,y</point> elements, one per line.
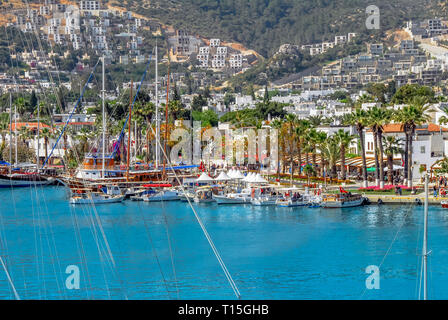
<point>4,128</point>
<point>345,139</point>
<point>332,153</point>
<point>46,134</point>
<point>315,121</point>
<point>278,124</point>
<point>359,119</point>
<point>25,135</point>
<point>377,118</point>
<point>301,134</point>
<point>392,146</point>
<point>309,170</point>
<point>320,140</point>
<point>411,116</point>
<point>291,125</point>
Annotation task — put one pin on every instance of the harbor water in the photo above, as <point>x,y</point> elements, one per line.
<point>140,250</point>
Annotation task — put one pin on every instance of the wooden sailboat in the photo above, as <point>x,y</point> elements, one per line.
<point>20,176</point>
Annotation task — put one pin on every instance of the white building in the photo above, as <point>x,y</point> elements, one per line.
<point>215,43</point>
<point>430,144</point>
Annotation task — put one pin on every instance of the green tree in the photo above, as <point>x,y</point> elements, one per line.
<point>344,139</point>
<point>410,116</point>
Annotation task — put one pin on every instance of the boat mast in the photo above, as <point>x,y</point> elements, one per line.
<point>10,131</point>
<point>129,132</point>
<point>104,124</point>
<point>15,131</point>
<point>38,136</point>
<point>166,114</point>
<point>425,241</point>
<point>156,166</point>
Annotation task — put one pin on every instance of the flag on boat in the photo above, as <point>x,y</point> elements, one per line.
<point>342,190</point>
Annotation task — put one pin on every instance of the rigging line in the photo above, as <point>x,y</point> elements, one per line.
<point>80,247</point>
<point>154,251</point>
<point>417,254</point>
<point>92,227</point>
<point>109,251</point>
<point>204,230</point>
<point>51,232</point>
<point>9,279</point>
<point>420,282</point>
<point>410,207</point>
<point>71,114</point>
<point>106,243</point>
<point>135,98</point>
<point>170,248</point>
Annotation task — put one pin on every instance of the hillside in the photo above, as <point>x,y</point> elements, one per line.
<point>264,25</point>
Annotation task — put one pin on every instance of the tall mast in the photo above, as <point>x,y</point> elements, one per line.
<point>425,241</point>
<point>104,124</point>
<point>129,133</point>
<point>135,139</point>
<point>38,135</point>
<point>156,166</point>
<point>15,131</point>
<point>10,131</point>
<point>166,113</point>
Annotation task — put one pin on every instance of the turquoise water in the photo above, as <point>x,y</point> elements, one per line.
<point>272,253</point>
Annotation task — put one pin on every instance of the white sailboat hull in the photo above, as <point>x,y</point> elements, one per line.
<point>229,199</point>
<point>162,196</point>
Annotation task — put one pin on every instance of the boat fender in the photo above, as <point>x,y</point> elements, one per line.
<point>380,202</point>
<point>418,202</point>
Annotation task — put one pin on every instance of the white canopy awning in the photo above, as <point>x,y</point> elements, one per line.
<point>238,175</point>
<point>395,168</point>
<point>259,179</point>
<point>204,178</point>
<point>223,177</point>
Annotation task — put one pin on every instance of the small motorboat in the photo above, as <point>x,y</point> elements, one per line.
<point>242,197</point>
<point>267,200</point>
<point>444,204</point>
<point>204,195</point>
<point>186,195</point>
<point>291,202</point>
<point>162,195</point>
<point>139,196</point>
<point>343,200</point>
<point>95,198</point>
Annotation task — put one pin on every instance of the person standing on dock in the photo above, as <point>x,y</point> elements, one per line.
<point>435,191</point>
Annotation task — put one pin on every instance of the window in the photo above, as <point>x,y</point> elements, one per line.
<point>422,149</point>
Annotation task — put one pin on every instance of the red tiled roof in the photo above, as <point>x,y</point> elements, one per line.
<point>77,124</point>
<point>29,125</point>
<point>397,127</point>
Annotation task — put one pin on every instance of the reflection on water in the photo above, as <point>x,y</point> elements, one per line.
<point>272,253</point>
